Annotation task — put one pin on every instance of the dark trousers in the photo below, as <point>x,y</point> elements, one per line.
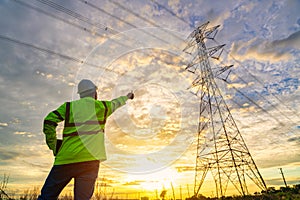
<point>84,174</point>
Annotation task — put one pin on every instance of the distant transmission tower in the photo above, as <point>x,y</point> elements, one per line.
<point>220,147</point>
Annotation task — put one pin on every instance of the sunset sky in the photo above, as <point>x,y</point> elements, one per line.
<point>47,47</point>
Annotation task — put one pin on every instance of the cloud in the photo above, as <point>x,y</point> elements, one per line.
<point>292,41</point>
<point>136,182</point>
<point>8,155</point>
<point>278,155</point>
<point>185,168</point>
<point>279,181</point>
<point>24,133</point>
<point>283,87</point>
<point>294,139</point>
<point>262,50</point>
<point>3,124</point>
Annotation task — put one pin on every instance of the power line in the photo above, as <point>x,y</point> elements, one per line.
<point>48,51</point>
<point>57,17</point>
<point>104,11</point>
<point>124,21</point>
<point>73,24</point>
<point>75,15</point>
<point>250,100</point>
<point>261,96</point>
<point>143,18</point>
<point>88,21</point>
<point>135,14</point>
<point>85,19</point>
<point>253,102</point>
<point>259,81</point>
<point>264,98</point>
<point>120,19</point>
<point>172,13</point>
<point>67,22</point>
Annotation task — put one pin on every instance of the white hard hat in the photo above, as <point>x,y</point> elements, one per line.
<point>85,86</point>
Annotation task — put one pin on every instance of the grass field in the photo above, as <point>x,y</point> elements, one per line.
<point>273,194</point>
<point>283,193</point>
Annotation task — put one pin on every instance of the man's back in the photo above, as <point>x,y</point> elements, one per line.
<point>83,134</point>
<point>84,124</point>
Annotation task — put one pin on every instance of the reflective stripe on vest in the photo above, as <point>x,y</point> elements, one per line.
<point>68,124</point>
<point>82,133</point>
<point>58,115</point>
<point>51,123</point>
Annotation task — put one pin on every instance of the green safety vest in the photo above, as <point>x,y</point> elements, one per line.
<point>83,134</point>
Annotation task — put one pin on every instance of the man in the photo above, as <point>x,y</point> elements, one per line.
<point>79,153</point>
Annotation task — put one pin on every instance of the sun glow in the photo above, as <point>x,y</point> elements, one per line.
<point>155,181</point>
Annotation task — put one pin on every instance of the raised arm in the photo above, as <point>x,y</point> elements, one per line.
<point>120,101</point>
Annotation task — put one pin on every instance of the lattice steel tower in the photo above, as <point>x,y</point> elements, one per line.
<point>220,148</point>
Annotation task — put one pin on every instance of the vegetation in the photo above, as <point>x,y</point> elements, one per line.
<point>3,187</point>
<point>289,193</point>
<point>286,193</point>
<point>33,193</point>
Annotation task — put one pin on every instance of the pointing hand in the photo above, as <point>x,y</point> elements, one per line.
<point>130,95</point>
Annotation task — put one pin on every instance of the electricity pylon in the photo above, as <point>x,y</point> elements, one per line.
<point>221,148</point>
